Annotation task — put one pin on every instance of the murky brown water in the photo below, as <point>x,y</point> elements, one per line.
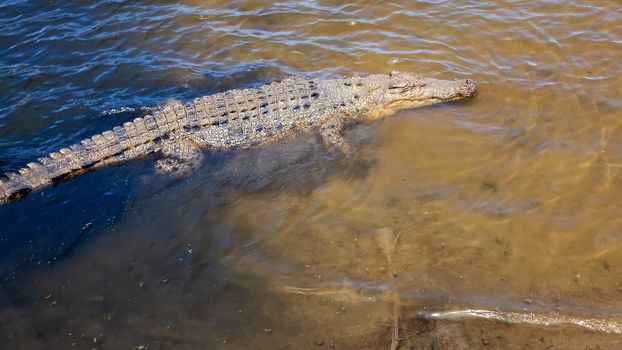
<point>507,203</point>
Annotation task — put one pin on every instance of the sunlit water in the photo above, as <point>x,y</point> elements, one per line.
<point>492,222</point>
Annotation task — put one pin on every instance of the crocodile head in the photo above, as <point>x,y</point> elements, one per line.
<point>396,91</point>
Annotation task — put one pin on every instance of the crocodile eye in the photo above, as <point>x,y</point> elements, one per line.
<point>396,86</point>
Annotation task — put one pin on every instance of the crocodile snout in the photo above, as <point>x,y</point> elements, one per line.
<point>469,87</point>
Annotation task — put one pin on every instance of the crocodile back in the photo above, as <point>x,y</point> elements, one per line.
<point>246,117</point>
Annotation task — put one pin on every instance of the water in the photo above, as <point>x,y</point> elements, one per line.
<point>493,222</point>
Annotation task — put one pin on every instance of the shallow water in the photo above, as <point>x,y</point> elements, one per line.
<point>506,204</point>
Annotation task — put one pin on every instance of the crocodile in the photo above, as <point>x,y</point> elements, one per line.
<point>239,119</point>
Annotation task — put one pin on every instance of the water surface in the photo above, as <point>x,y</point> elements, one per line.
<point>492,222</point>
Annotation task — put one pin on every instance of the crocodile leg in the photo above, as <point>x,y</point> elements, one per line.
<point>180,157</point>
<point>332,135</point>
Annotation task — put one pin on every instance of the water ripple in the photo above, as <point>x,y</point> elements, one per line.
<point>511,194</point>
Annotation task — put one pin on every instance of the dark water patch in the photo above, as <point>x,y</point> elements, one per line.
<point>55,85</point>
<point>61,216</point>
<point>48,224</point>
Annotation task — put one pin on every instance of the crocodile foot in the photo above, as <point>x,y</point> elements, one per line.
<point>332,135</point>
<point>181,157</point>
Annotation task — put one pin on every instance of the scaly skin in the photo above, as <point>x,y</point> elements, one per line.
<point>242,119</point>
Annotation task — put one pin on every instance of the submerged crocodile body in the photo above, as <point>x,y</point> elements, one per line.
<point>241,119</point>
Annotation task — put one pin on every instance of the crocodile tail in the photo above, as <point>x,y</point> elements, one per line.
<point>76,158</point>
